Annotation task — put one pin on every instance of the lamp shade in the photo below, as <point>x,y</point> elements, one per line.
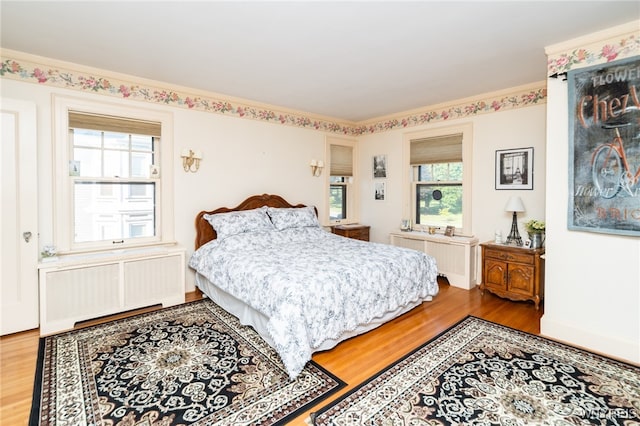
<point>514,205</point>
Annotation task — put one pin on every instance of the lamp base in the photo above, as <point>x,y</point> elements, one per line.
<point>514,235</point>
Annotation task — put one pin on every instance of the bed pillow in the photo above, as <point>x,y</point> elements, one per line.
<point>298,217</point>
<point>240,222</point>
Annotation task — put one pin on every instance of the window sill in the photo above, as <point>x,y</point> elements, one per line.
<point>82,258</point>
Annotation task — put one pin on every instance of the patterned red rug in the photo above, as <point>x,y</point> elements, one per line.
<point>191,364</point>
<point>481,373</point>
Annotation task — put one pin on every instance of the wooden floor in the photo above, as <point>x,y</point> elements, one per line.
<point>353,361</point>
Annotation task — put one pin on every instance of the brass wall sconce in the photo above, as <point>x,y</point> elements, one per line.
<point>191,160</point>
<point>316,167</point>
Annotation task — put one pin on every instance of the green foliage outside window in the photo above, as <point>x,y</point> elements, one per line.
<point>443,181</point>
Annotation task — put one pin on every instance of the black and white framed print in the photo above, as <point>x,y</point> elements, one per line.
<point>379,190</point>
<point>379,166</point>
<point>514,168</point>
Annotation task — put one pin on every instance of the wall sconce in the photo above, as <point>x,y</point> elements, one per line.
<point>191,160</point>
<point>514,205</point>
<point>316,167</point>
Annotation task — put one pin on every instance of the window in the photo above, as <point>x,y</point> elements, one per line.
<point>338,198</point>
<point>341,198</point>
<point>438,194</point>
<point>108,198</point>
<point>111,182</point>
<point>440,185</point>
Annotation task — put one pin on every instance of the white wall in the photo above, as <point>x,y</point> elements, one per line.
<point>592,280</point>
<point>517,128</point>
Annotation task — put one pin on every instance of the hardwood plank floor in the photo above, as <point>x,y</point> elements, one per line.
<point>352,361</point>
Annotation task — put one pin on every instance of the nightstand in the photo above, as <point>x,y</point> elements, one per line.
<point>516,273</point>
<point>356,231</point>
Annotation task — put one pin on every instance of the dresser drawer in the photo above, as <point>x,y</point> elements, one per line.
<point>360,234</point>
<point>509,256</point>
<point>357,232</point>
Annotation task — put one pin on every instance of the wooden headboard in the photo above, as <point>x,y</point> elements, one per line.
<point>204,231</point>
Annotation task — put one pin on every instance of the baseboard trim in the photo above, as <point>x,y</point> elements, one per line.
<point>623,350</point>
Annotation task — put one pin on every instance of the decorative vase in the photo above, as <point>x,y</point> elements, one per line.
<point>537,240</point>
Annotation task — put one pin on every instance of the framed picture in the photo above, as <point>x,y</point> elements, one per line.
<point>514,168</point>
<point>449,230</point>
<point>604,166</point>
<point>379,166</point>
<point>379,189</point>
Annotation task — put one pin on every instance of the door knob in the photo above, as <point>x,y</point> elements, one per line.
<point>26,236</point>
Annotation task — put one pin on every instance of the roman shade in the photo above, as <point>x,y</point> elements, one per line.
<point>438,149</point>
<point>341,160</point>
<point>107,123</point>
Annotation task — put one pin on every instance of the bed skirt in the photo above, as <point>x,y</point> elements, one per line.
<point>249,316</point>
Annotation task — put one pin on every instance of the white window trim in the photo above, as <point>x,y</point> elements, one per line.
<point>409,186</point>
<point>62,184</point>
<point>353,196</point>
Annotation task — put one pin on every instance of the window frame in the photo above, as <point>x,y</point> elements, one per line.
<point>63,211</point>
<point>410,185</point>
<point>352,202</point>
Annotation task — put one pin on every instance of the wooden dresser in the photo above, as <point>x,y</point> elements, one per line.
<point>358,232</point>
<point>516,273</point>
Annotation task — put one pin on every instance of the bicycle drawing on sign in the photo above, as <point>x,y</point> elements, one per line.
<point>610,168</point>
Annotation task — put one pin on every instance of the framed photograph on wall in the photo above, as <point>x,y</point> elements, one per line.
<point>514,168</point>
<point>379,191</point>
<point>379,166</point>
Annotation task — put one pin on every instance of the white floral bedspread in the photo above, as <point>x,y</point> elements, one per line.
<point>314,285</point>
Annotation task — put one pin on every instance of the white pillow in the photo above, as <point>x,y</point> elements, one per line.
<point>240,222</point>
<point>297,217</point>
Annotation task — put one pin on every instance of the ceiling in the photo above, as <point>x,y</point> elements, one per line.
<point>353,61</point>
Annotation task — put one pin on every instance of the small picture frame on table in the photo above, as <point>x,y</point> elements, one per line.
<point>449,231</point>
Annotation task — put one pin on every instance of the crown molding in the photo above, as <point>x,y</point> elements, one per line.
<point>39,70</point>
<point>506,99</point>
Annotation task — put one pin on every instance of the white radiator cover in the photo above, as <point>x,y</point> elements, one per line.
<point>455,256</point>
<point>82,287</point>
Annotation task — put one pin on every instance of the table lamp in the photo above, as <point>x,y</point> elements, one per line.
<point>514,205</point>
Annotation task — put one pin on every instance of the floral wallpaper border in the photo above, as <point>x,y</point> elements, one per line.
<point>40,73</point>
<point>597,53</point>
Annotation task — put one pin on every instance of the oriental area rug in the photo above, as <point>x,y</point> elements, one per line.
<point>192,364</point>
<point>481,373</point>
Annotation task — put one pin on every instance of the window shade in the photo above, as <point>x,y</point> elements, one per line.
<point>107,123</point>
<point>438,149</point>
<point>341,160</point>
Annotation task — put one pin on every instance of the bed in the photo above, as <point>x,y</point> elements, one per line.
<point>303,289</point>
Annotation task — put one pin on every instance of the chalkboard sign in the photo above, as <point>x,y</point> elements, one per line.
<point>604,148</point>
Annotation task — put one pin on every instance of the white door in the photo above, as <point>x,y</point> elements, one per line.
<point>18,217</point>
